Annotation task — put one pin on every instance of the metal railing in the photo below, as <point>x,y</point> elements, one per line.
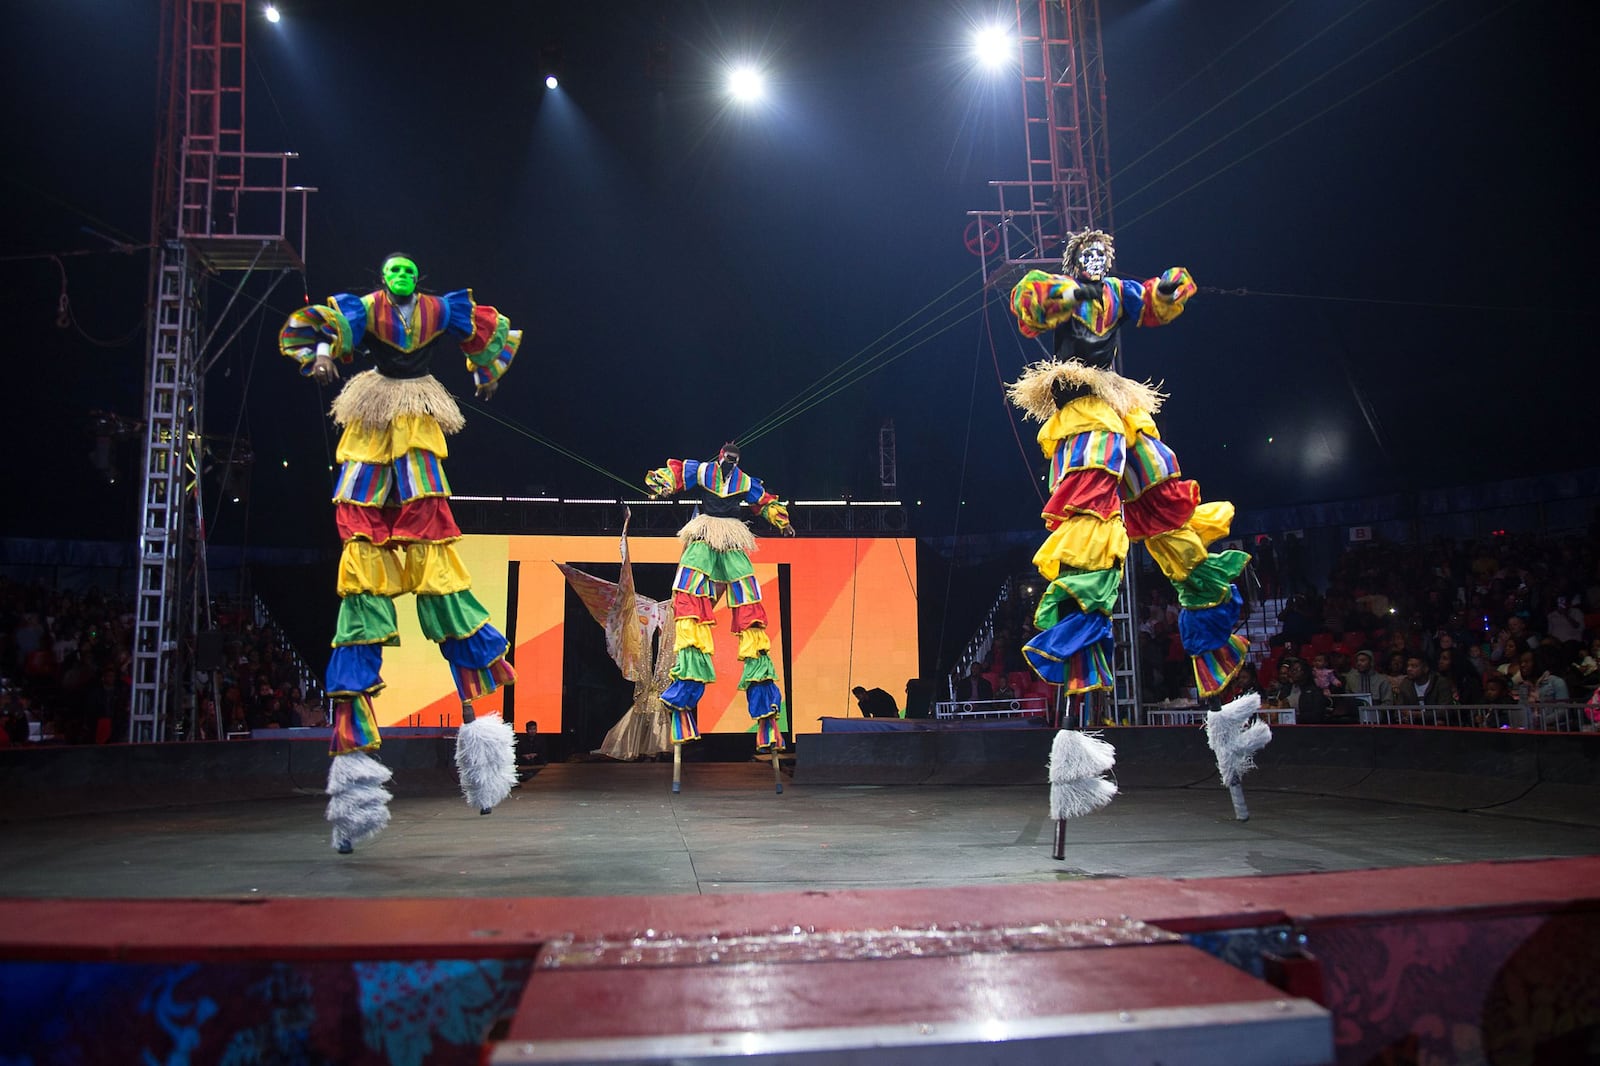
<point>970,710</point>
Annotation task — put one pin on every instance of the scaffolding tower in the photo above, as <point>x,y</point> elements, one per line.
<point>216,209</point>
<point>1066,188</point>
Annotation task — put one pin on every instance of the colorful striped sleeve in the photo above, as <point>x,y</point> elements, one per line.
<point>487,339</point>
<point>313,325</point>
<point>1155,309</point>
<point>666,480</point>
<point>1041,302</point>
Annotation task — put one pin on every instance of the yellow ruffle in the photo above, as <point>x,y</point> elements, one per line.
<point>1139,421</point>
<point>754,642</point>
<point>693,633</point>
<point>1083,542</point>
<point>365,567</point>
<point>384,444</point>
<point>1079,416</point>
<point>435,570</point>
<point>1177,552</point>
<point>1212,521</point>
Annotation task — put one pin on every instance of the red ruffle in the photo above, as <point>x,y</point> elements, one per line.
<point>1094,491</point>
<point>1161,508</point>
<point>751,614</point>
<point>427,518</point>
<point>697,607</point>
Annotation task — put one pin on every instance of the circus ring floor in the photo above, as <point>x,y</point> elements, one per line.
<point>1398,895</point>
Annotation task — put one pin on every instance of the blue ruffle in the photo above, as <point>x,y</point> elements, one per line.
<point>458,313</point>
<point>354,669</point>
<point>1049,651</point>
<point>684,695</point>
<point>355,313</point>
<point>763,698</point>
<point>475,652</point>
<point>1209,628</point>
<point>1071,634</point>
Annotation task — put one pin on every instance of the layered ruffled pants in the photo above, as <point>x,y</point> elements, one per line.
<point>1113,481</point>
<point>392,508</point>
<point>715,563</point>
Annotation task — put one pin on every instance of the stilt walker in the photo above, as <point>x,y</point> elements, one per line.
<point>1235,734</point>
<point>1113,480</point>
<point>1078,763</point>
<point>391,504</point>
<point>715,560</point>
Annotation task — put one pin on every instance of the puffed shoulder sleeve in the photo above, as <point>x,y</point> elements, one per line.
<point>340,324</point>
<point>1156,308</point>
<point>665,480</point>
<point>1041,301</point>
<point>487,339</point>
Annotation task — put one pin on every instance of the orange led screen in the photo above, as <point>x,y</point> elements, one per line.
<point>851,620</point>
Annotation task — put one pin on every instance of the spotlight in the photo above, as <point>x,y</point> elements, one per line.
<point>550,82</point>
<point>745,84</point>
<point>993,47</point>
<point>272,13</point>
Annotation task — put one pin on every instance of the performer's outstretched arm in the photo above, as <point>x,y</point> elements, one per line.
<point>486,336</point>
<point>665,480</point>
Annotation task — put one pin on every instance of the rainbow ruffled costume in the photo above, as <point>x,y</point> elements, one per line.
<point>715,559</point>
<point>391,504</point>
<point>1113,481</point>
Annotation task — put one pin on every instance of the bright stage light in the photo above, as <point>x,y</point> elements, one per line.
<point>551,82</point>
<point>272,13</point>
<point>745,84</point>
<point>993,46</point>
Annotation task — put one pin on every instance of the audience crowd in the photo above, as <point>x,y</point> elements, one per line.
<point>1506,620</point>
<point>66,671</point>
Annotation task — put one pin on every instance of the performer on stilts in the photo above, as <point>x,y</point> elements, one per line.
<point>1112,479</point>
<point>391,505</point>
<point>715,560</point>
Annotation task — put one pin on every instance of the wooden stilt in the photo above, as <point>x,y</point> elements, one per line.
<point>777,768</point>
<point>1061,839</point>
<point>677,767</point>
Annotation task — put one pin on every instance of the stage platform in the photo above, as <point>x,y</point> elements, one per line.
<point>597,917</point>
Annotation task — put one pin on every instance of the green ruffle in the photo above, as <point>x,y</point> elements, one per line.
<point>366,618</point>
<point>458,614</point>
<point>693,664</point>
<point>1078,591</point>
<point>496,342</point>
<point>758,669</point>
<point>1211,582</point>
<point>718,566</point>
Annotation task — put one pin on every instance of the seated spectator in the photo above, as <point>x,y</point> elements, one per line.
<point>875,703</point>
<point>1469,689</point>
<point>1297,692</point>
<point>1364,679</point>
<point>974,686</point>
<point>1423,688</point>
<point>1497,694</point>
<point>1395,669</point>
<point>1324,675</point>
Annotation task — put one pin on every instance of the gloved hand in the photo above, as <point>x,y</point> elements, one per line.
<point>1167,288</point>
<point>1090,290</point>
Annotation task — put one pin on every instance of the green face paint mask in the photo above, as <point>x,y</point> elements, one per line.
<point>400,277</point>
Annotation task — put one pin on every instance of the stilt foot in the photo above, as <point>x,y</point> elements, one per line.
<point>345,847</point>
